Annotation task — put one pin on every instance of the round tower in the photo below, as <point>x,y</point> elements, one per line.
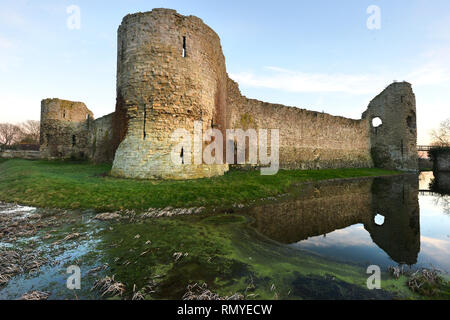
<point>170,73</point>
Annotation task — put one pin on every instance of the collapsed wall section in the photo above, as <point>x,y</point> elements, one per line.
<point>394,138</point>
<point>308,140</point>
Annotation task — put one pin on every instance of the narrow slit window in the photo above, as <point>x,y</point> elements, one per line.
<point>182,155</point>
<point>184,48</point>
<point>64,114</point>
<point>145,122</point>
<point>74,141</point>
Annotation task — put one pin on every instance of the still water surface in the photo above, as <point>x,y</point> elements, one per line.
<point>384,221</point>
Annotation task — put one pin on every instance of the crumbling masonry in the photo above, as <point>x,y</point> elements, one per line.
<point>171,72</point>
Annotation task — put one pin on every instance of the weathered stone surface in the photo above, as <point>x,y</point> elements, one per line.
<point>394,143</point>
<point>171,72</point>
<point>162,90</point>
<point>308,140</point>
<point>68,130</point>
<point>64,129</point>
<point>101,136</point>
<point>20,154</point>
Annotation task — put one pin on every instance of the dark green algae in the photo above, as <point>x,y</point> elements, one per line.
<point>221,250</point>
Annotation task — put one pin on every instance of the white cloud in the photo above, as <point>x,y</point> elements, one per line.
<point>431,68</point>
<point>293,81</point>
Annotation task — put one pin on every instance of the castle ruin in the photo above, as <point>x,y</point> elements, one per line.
<point>171,73</point>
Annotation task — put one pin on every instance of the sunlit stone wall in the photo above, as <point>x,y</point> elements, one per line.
<point>308,139</point>
<point>170,73</point>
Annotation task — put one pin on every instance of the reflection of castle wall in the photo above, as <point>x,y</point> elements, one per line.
<point>325,207</point>
<point>397,200</point>
<point>320,209</point>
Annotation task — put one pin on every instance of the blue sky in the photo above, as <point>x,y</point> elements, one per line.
<point>317,55</point>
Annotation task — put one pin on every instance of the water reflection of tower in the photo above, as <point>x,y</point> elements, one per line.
<point>325,207</point>
<point>399,235</point>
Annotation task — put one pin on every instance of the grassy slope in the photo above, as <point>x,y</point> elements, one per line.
<point>83,185</point>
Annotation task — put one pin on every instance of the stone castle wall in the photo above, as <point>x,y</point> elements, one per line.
<point>20,154</point>
<point>171,73</point>
<point>101,139</point>
<point>308,140</point>
<point>394,143</point>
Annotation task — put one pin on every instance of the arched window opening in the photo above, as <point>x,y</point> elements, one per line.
<point>377,122</point>
<point>379,220</point>
<point>74,141</point>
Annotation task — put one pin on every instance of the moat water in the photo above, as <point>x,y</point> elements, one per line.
<point>315,243</point>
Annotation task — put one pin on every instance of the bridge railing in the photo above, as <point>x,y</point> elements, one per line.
<point>424,148</point>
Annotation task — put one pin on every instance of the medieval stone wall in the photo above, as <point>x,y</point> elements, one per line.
<point>394,142</point>
<point>101,140</point>
<point>308,140</point>
<point>65,129</point>
<point>20,154</point>
<point>68,130</point>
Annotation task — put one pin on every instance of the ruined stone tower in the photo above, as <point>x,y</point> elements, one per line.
<point>65,129</point>
<point>394,141</point>
<point>170,73</point>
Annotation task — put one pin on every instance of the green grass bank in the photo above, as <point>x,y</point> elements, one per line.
<point>74,185</point>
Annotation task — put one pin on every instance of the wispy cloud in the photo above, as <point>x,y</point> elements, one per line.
<point>433,71</point>
<point>293,81</point>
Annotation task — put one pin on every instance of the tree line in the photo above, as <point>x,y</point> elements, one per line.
<point>25,133</point>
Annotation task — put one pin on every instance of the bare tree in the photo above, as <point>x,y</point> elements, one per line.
<point>441,137</point>
<point>9,133</point>
<point>31,130</point>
